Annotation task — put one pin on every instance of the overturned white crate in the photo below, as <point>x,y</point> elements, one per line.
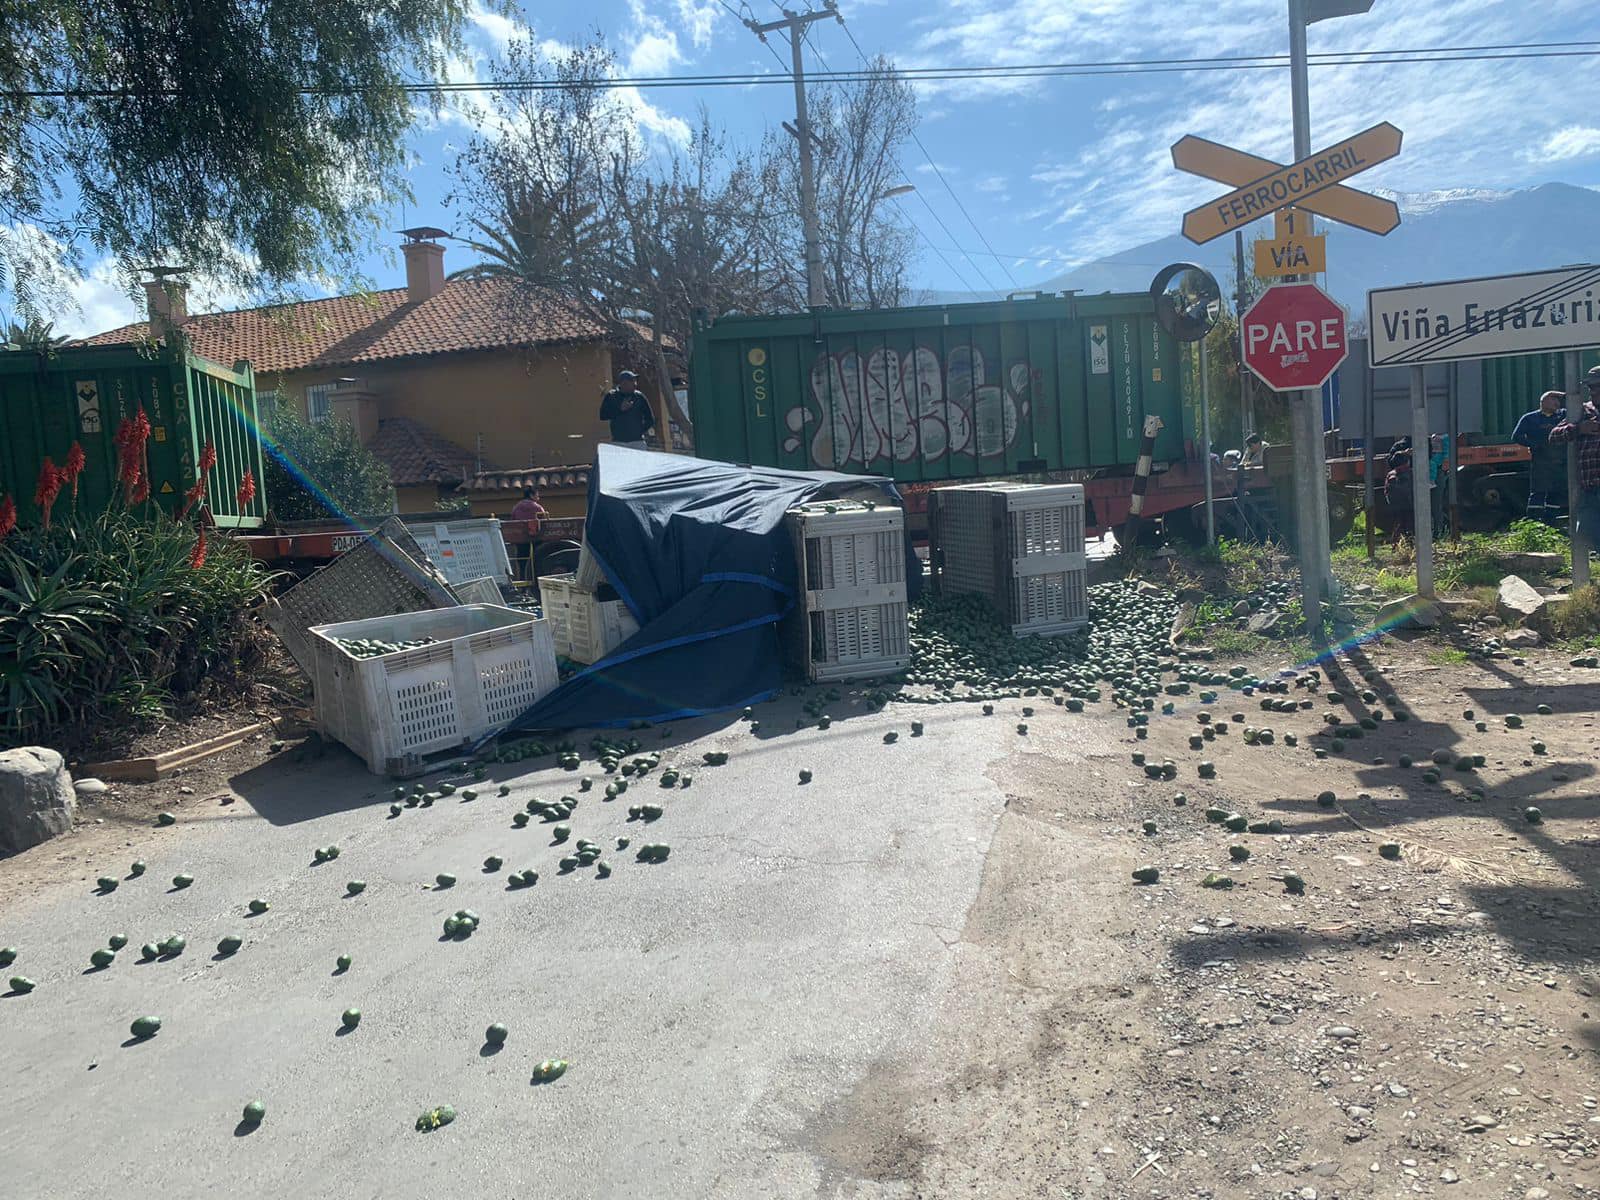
<point>485,667</point>
<point>384,574</point>
<point>849,621</point>
<point>1021,545</point>
<point>586,628</point>
<point>465,549</point>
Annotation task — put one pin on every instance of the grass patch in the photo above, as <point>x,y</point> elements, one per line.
<point>1577,618</point>
<point>1239,643</point>
<point>1447,656</point>
<point>1478,560</point>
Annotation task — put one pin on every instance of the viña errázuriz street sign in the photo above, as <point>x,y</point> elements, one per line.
<point>1485,318</point>
<point>1263,187</point>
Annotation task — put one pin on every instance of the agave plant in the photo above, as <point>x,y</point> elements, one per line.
<point>49,629</point>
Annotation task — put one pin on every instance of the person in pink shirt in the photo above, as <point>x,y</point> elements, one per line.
<point>530,510</point>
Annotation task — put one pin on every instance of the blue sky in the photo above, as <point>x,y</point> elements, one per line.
<point>1060,171</point>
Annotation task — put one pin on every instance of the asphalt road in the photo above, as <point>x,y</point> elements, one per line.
<point>713,1008</point>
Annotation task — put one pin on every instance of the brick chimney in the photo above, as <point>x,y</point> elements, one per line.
<point>166,299</point>
<point>354,402</point>
<point>424,263</point>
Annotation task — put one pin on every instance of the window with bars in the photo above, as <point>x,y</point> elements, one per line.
<point>319,401</point>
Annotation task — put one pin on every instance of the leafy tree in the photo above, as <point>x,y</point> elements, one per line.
<point>255,140</point>
<point>322,470</point>
<point>860,128</point>
<point>566,196</point>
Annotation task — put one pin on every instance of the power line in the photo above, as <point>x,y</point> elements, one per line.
<point>899,166</point>
<point>1004,266</point>
<point>954,270</point>
<point>1016,72</point>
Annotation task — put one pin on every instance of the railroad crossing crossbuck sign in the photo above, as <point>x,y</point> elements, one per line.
<point>1294,336</point>
<point>1262,187</point>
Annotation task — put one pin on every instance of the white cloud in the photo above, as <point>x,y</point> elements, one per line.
<point>653,54</point>
<point>991,184</point>
<point>497,29</point>
<point>1575,141</point>
<point>698,17</point>
<point>930,168</point>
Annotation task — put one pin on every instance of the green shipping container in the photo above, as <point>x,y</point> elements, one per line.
<point>81,394</point>
<point>940,392</point>
<point>1512,386</point>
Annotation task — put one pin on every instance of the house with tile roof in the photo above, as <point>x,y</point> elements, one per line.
<point>443,379</point>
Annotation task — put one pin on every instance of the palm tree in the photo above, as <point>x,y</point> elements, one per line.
<point>33,335</point>
<point>540,237</point>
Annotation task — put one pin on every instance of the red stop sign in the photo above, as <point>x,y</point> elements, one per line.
<point>1294,336</point>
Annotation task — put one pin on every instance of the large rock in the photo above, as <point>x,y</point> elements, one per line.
<point>1518,602</point>
<point>1521,639</point>
<point>1409,612</point>
<point>37,800</point>
<point>1264,622</point>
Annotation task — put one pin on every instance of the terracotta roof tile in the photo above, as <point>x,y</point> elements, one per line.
<point>476,314</point>
<point>417,455</point>
<point>524,477</point>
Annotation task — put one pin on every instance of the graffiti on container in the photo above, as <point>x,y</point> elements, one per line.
<point>904,406</point>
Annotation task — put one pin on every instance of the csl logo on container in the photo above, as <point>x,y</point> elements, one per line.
<point>757,358</point>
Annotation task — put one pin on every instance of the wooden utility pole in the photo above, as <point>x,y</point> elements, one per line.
<point>795,23</point>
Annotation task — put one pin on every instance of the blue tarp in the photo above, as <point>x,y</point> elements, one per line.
<point>698,552</point>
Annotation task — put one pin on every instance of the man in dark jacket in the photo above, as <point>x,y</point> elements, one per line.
<point>1585,430</point>
<point>1547,472</point>
<point>625,407</point>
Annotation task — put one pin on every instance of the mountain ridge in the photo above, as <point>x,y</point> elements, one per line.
<point>1455,233</point>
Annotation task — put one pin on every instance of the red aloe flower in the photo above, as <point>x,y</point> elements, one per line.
<point>197,556</point>
<point>130,441</point>
<point>208,459</point>
<point>74,467</point>
<point>8,516</point>
<point>193,496</point>
<point>127,475</point>
<point>247,490</point>
<point>51,477</point>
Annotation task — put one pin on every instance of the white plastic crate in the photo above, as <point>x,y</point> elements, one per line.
<point>478,591</point>
<point>586,629</point>
<point>486,667</point>
<point>589,574</point>
<point>849,621</point>
<point>382,575</point>
<point>1019,544</point>
<point>466,549</point>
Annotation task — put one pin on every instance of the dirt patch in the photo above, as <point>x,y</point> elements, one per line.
<point>1427,1024</point>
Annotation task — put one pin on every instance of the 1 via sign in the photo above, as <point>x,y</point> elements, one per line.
<point>1294,337</point>
<point>1292,256</point>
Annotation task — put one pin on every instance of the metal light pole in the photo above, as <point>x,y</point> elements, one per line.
<point>1205,439</point>
<point>1310,458</point>
<point>1421,506</point>
<point>1247,410</point>
<point>795,24</point>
